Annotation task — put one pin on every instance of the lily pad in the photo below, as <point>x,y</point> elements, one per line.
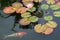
<point>17,5</point>
<point>51,24</point>
<point>37,28</point>
<point>54,7</point>
<point>48,31</point>
<point>24,1</point>
<point>47,18</point>
<point>44,6</point>
<point>40,28</point>
<point>38,0</point>
<point>50,1</point>
<point>27,14</point>
<point>56,13</point>
<point>24,21</point>
<point>58,3</point>
<point>32,9</point>
<point>33,19</point>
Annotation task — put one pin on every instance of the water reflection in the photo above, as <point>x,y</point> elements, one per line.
<point>35,36</point>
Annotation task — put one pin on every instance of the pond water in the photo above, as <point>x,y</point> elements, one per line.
<point>6,25</point>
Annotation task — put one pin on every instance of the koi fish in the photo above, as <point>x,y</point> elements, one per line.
<point>15,34</point>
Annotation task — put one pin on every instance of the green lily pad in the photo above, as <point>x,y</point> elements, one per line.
<point>48,18</point>
<point>32,9</point>
<point>56,13</point>
<point>44,6</point>
<point>54,7</point>
<point>33,19</point>
<point>27,14</point>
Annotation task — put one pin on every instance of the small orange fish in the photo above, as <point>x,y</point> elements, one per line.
<point>16,34</point>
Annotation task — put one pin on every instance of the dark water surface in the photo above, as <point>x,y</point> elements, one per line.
<point>7,23</point>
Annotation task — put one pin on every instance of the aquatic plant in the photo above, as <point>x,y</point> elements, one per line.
<point>33,19</point>
<point>54,7</point>
<point>56,13</point>
<point>20,10</point>
<point>32,9</point>
<point>39,28</point>
<point>38,0</point>
<point>26,14</point>
<point>51,24</point>
<point>17,5</point>
<point>58,3</point>
<point>29,12</point>
<point>48,18</point>
<point>48,31</point>
<point>44,6</point>
<point>50,1</point>
<point>24,21</point>
<point>9,10</point>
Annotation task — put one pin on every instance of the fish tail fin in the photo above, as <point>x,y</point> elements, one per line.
<point>5,37</point>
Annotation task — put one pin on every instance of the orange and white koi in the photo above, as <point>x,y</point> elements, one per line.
<point>15,34</point>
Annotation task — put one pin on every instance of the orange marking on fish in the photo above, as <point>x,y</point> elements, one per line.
<point>16,34</point>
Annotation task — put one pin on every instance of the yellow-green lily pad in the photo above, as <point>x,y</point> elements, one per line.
<point>44,6</point>
<point>27,14</point>
<point>54,7</point>
<point>33,19</point>
<point>32,9</point>
<point>51,24</point>
<point>17,5</point>
<point>56,13</point>
<point>48,18</point>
